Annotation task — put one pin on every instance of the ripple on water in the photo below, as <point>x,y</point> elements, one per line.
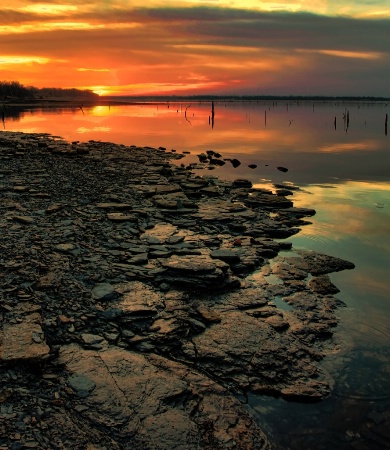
<point>363,368</point>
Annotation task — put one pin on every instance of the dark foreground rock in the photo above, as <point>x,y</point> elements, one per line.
<point>137,303</point>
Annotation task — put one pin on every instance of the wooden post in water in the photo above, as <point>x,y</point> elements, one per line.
<point>386,120</point>
<point>212,114</point>
<point>3,113</point>
<point>335,122</point>
<point>265,118</point>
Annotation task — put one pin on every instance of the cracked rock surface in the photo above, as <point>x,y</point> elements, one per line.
<point>138,301</point>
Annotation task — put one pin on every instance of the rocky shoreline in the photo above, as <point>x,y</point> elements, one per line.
<point>138,302</point>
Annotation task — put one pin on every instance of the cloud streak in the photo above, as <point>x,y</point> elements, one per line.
<point>193,49</point>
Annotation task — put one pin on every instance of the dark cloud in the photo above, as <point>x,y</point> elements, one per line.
<point>292,30</point>
<point>224,45</point>
<point>12,17</point>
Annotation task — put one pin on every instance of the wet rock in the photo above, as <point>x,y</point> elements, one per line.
<point>182,402</point>
<point>235,162</point>
<point>81,384</point>
<point>138,299</point>
<point>120,217</point>
<point>208,314</point>
<point>322,285</point>
<point>282,169</point>
<point>189,265</point>
<point>217,162</point>
<point>174,239</point>
<point>321,264</point>
<point>284,192</point>
<point>286,271</point>
<point>130,262</point>
<point>54,208</point>
<point>65,248</point>
<point>198,272</point>
<point>238,357</point>
<point>260,199</point>
<point>114,206</point>
<point>93,341</point>
<point>140,259</point>
<point>25,220</point>
<point>111,314</point>
<point>23,342</point>
<point>300,212</point>
<point>309,392</point>
<point>103,291</point>
<point>241,183</point>
<point>212,191</point>
<point>277,322</point>
<point>228,256</point>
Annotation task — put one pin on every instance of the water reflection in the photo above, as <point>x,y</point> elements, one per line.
<point>341,164</point>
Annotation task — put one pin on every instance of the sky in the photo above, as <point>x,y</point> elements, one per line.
<point>198,47</point>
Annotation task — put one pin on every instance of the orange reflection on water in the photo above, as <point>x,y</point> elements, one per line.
<point>369,145</point>
<point>295,135</point>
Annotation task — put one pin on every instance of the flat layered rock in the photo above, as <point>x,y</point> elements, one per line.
<point>268,201</point>
<point>121,217</point>
<point>25,220</point>
<point>116,206</point>
<point>138,299</point>
<point>123,298</point>
<point>103,291</point>
<point>229,256</point>
<point>149,399</point>
<point>198,272</point>
<point>159,189</point>
<point>258,353</point>
<point>23,342</point>
<point>321,264</point>
<point>192,265</point>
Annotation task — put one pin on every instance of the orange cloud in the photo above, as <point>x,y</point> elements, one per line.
<point>193,49</point>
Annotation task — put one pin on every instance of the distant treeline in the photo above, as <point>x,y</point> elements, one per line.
<point>11,90</point>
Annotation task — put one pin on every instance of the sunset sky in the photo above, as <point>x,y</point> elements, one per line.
<point>189,47</point>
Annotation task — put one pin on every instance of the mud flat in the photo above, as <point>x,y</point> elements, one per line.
<point>140,303</point>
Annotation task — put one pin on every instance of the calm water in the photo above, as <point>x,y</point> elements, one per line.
<point>339,154</point>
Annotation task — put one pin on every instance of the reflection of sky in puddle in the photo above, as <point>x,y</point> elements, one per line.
<point>281,304</point>
<point>272,279</point>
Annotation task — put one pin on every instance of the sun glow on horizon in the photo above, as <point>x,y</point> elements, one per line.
<point>222,47</point>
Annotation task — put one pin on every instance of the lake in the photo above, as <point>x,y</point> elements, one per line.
<point>338,153</point>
